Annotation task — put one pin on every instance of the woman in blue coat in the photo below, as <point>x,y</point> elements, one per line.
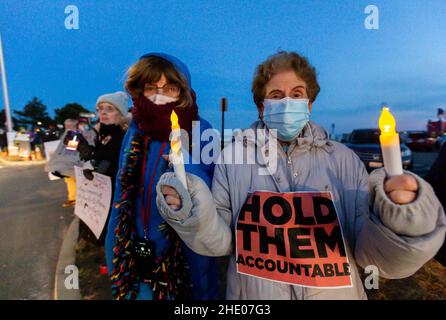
<point>146,259</point>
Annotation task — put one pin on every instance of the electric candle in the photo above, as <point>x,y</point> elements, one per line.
<point>175,146</point>
<point>72,144</point>
<point>390,144</point>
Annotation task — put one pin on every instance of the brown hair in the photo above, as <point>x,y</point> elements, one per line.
<point>124,122</point>
<point>149,70</point>
<point>282,61</point>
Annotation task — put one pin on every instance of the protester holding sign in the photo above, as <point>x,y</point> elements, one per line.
<point>113,122</point>
<point>146,258</point>
<point>104,153</point>
<point>298,219</point>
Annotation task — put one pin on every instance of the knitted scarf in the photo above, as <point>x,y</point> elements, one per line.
<point>155,119</point>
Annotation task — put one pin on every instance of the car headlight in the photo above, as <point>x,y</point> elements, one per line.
<point>406,153</point>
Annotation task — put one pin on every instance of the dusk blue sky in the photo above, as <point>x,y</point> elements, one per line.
<point>403,63</point>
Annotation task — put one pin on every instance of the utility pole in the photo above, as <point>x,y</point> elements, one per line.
<point>9,128</point>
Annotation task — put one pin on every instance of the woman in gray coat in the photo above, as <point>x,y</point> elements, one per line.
<point>388,225</point>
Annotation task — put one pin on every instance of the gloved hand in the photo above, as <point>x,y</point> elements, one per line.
<point>88,174</point>
<point>85,150</point>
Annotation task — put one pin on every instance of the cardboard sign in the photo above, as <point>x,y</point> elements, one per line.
<point>50,147</point>
<point>93,200</point>
<point>294,238</point>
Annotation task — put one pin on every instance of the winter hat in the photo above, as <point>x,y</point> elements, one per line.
<point>118,99</point>
<point>178,64</point>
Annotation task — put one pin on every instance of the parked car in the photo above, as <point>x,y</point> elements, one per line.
<point>50,134</point>
<point>420,141</point>
<point>365,143</point>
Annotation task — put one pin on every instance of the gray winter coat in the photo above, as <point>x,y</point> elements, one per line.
<point>397,239</point>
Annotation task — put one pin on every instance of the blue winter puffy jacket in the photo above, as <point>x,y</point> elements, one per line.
<point>203,270</point>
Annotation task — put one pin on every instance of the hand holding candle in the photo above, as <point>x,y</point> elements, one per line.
<point>177,154</point>
<point>72,144</point>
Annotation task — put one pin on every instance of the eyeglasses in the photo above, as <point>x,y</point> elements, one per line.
<point>106,108</point>
<point>171,90</point>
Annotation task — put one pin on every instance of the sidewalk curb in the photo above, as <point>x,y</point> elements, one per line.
<point>22,163</point>
<point>67,256</point>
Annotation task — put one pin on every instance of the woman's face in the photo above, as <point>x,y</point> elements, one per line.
<point>162,86</point>
<point>108,114</point>
<point>286,84</point>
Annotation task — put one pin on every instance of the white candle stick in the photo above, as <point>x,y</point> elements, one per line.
<point>177,154</point>
<point>390,144</point>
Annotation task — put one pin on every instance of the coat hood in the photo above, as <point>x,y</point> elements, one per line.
<point>178,64</point>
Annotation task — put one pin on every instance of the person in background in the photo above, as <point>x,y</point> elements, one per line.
<point>3,142</point>
<point>104,153</point>
<point>437,178</point>
<point>88,132</point>
<point>37,142</point>
<point>62,162</point>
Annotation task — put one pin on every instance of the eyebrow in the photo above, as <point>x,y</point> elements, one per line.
<point>296,87</point>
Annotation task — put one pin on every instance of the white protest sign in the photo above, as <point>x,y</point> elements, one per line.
<point>50,147</point>
<point>93,200</point>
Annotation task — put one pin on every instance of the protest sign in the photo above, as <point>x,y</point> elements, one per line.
<point>292,237</point>
<point>50,147</point>
<point>93,200</point>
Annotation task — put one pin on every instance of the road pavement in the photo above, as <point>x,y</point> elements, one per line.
<point>32,227</point>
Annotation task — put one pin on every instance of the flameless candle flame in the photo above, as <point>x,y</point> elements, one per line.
<point>387,122</point>
<point>175,145</point>
<point>72,144</point>
<point>390,143</point>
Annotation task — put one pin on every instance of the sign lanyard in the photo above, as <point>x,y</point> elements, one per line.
<point>145,207</point>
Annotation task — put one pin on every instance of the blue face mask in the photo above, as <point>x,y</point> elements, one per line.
<point>288,116</point>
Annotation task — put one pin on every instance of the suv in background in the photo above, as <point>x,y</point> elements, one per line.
<point>420,141</point>
<point>365,143</point>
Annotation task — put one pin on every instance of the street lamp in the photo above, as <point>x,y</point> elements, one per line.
<point>10,133</point>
